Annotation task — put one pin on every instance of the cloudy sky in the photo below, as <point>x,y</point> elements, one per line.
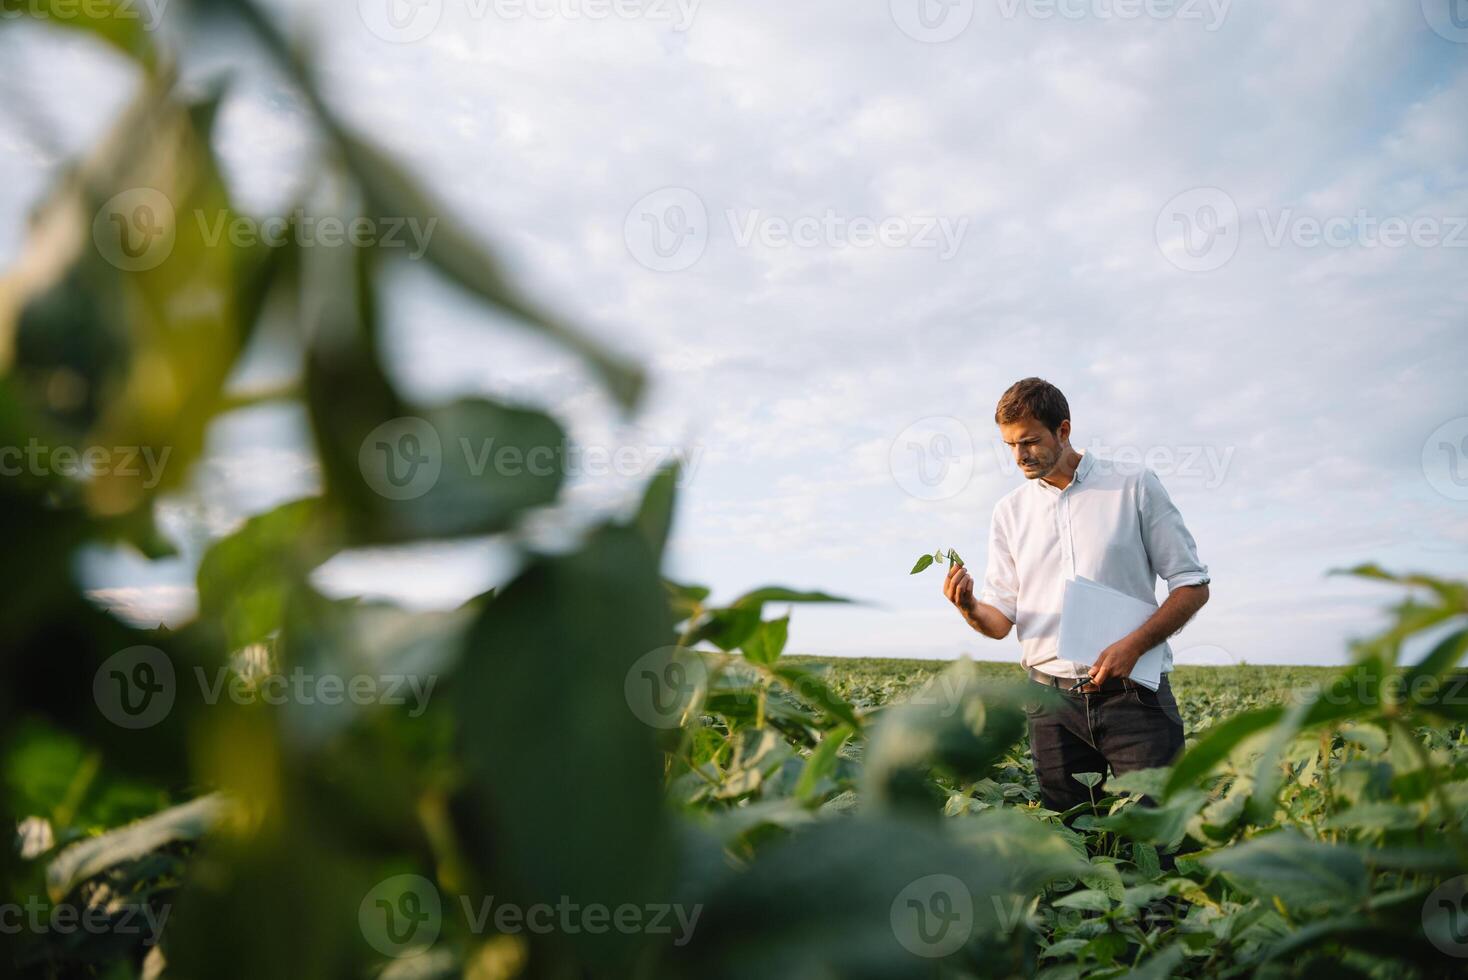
<point>1235,234</point>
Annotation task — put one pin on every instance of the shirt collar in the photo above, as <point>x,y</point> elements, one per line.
<point>1082,468</point>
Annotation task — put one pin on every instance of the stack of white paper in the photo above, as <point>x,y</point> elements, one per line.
<point>1094,616</point>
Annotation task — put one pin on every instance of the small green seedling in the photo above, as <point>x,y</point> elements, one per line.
<point>925,560</point>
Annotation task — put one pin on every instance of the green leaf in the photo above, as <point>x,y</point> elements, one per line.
<point>126,27</point>
<point>1140,782</point>
<point>955,723</point>
<point>727,628</point>
<point>1163,824</point>
<point>498,462</point>
<point>1441,658</point>
<point>565,633</point>
<point>1088,779</point>
<point>1307,875</point>
<point>82,860</point>
<point>1066,948</point>
<point>1215,745</point>
<point>655,515</point>
<point>766,643</point>
<point>109,353</point>
<point>686,600</point>
<point>1160,965</point>
<point>1267,774</point>
<point>468,263</point>
<point>1144,856</point>
<point>1452,594</point>
<point>1375,816</point>
<point>246,578</point>
<point>821,763</point>
<point>1087,900</point>
<point>923,562</point>
<point>779,593</point>
<point>1370,737</point>
<point>818,904</point>
<point>809,686</point>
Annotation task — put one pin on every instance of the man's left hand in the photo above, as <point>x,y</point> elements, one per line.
<point>1116,660</point>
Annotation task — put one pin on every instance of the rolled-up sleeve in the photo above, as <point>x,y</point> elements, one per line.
<point>1001,580</point>
<point>1170,547</point>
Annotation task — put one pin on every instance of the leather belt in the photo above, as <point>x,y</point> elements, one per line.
<point>1066,683</point>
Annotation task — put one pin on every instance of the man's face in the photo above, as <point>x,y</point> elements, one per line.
<point>1036,449</point>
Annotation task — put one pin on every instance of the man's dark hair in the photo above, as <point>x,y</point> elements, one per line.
<point>1033,398</point>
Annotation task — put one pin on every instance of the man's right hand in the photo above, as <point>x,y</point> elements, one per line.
<point>958,586</point>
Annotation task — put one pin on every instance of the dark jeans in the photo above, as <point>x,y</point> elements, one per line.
<point>1121,730</point>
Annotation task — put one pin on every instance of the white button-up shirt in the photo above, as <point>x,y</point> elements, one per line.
<point>1113,525</point>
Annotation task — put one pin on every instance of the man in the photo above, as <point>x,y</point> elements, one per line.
<point>1078,516</point>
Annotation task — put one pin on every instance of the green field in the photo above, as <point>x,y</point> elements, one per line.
<point>1202,692</point>
<point>588,772</point>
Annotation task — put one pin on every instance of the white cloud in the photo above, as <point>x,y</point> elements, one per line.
<point>1317,372</point>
